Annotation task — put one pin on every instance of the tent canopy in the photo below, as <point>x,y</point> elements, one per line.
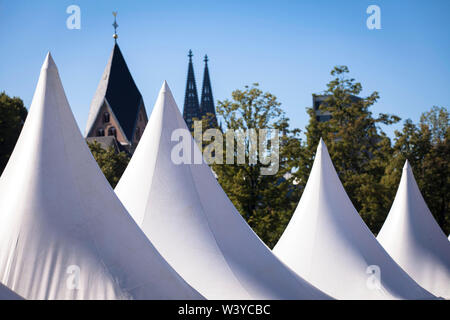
<point>328,244</point>
<point>414,240</point>
<point>191,221</point>
<point>63,232</point>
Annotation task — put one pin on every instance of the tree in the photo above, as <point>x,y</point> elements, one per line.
<point>265,201</point>
<point>437,121</point>
<point>12,117</point>
<point>360,150</point>
<point>112,163</point>
<point>426,145</point>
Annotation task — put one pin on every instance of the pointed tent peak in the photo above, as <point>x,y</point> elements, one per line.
<point>165,88</point>
<point>189,232</point>
<point>166,93</point>
<point>413,238</point>
<point>49,62</point>
<point>407,166</point>
<point>408,175</point>
<point>48,56</point>
<point>322,150</point>
<point>408,192</point>
<point>49,81</point>
<point>324,181</point>
<point>321,145</point>
<point>166,101</point>
<point>408,182</point>
<point>325,230</point>
<point>64,226</point>
<point>409,202</point>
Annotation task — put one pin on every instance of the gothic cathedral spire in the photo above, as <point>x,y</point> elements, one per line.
<point>207,102</point>
<point>191,107</point>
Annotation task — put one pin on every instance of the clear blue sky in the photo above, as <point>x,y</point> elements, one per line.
<point>289,47</point>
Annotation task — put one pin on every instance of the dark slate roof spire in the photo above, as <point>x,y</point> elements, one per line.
<point>207,101</point>
<point>120,92</point>
<point>191,107</point>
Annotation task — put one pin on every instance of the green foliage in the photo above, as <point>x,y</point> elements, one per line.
<point>265,201</point>
<point>12,116</point>
<point>360,150</point>
<point>368,165</point>
<point>112,163</point>
<point>426,145</point>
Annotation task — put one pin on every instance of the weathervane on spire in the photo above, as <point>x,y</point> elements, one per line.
<point>115,25</point>
<point>206,59</point>
<point>190,55</point>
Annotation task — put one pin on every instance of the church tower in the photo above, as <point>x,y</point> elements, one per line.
<point>117,114</point>
<point>191,107</point>
<point>207,102</point>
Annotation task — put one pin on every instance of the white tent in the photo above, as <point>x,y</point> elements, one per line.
<point>328,244</point>
<point>414,240</point>
<point>63,232</point>
<point>7,294</point>
<point>193,224</point>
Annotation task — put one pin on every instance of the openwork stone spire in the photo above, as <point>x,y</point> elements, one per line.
<point>207,101</point>
<point>191,107</point>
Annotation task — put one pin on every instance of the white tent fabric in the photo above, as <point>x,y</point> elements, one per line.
<point>328,244</point>
<point>193,224</point>
<point>63,232</point>
<point>7,294</point>
<point>414,240</point>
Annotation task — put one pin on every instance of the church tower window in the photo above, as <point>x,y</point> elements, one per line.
<point>106,117</point>
<point>112,132</point>
<point>138,133</point>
